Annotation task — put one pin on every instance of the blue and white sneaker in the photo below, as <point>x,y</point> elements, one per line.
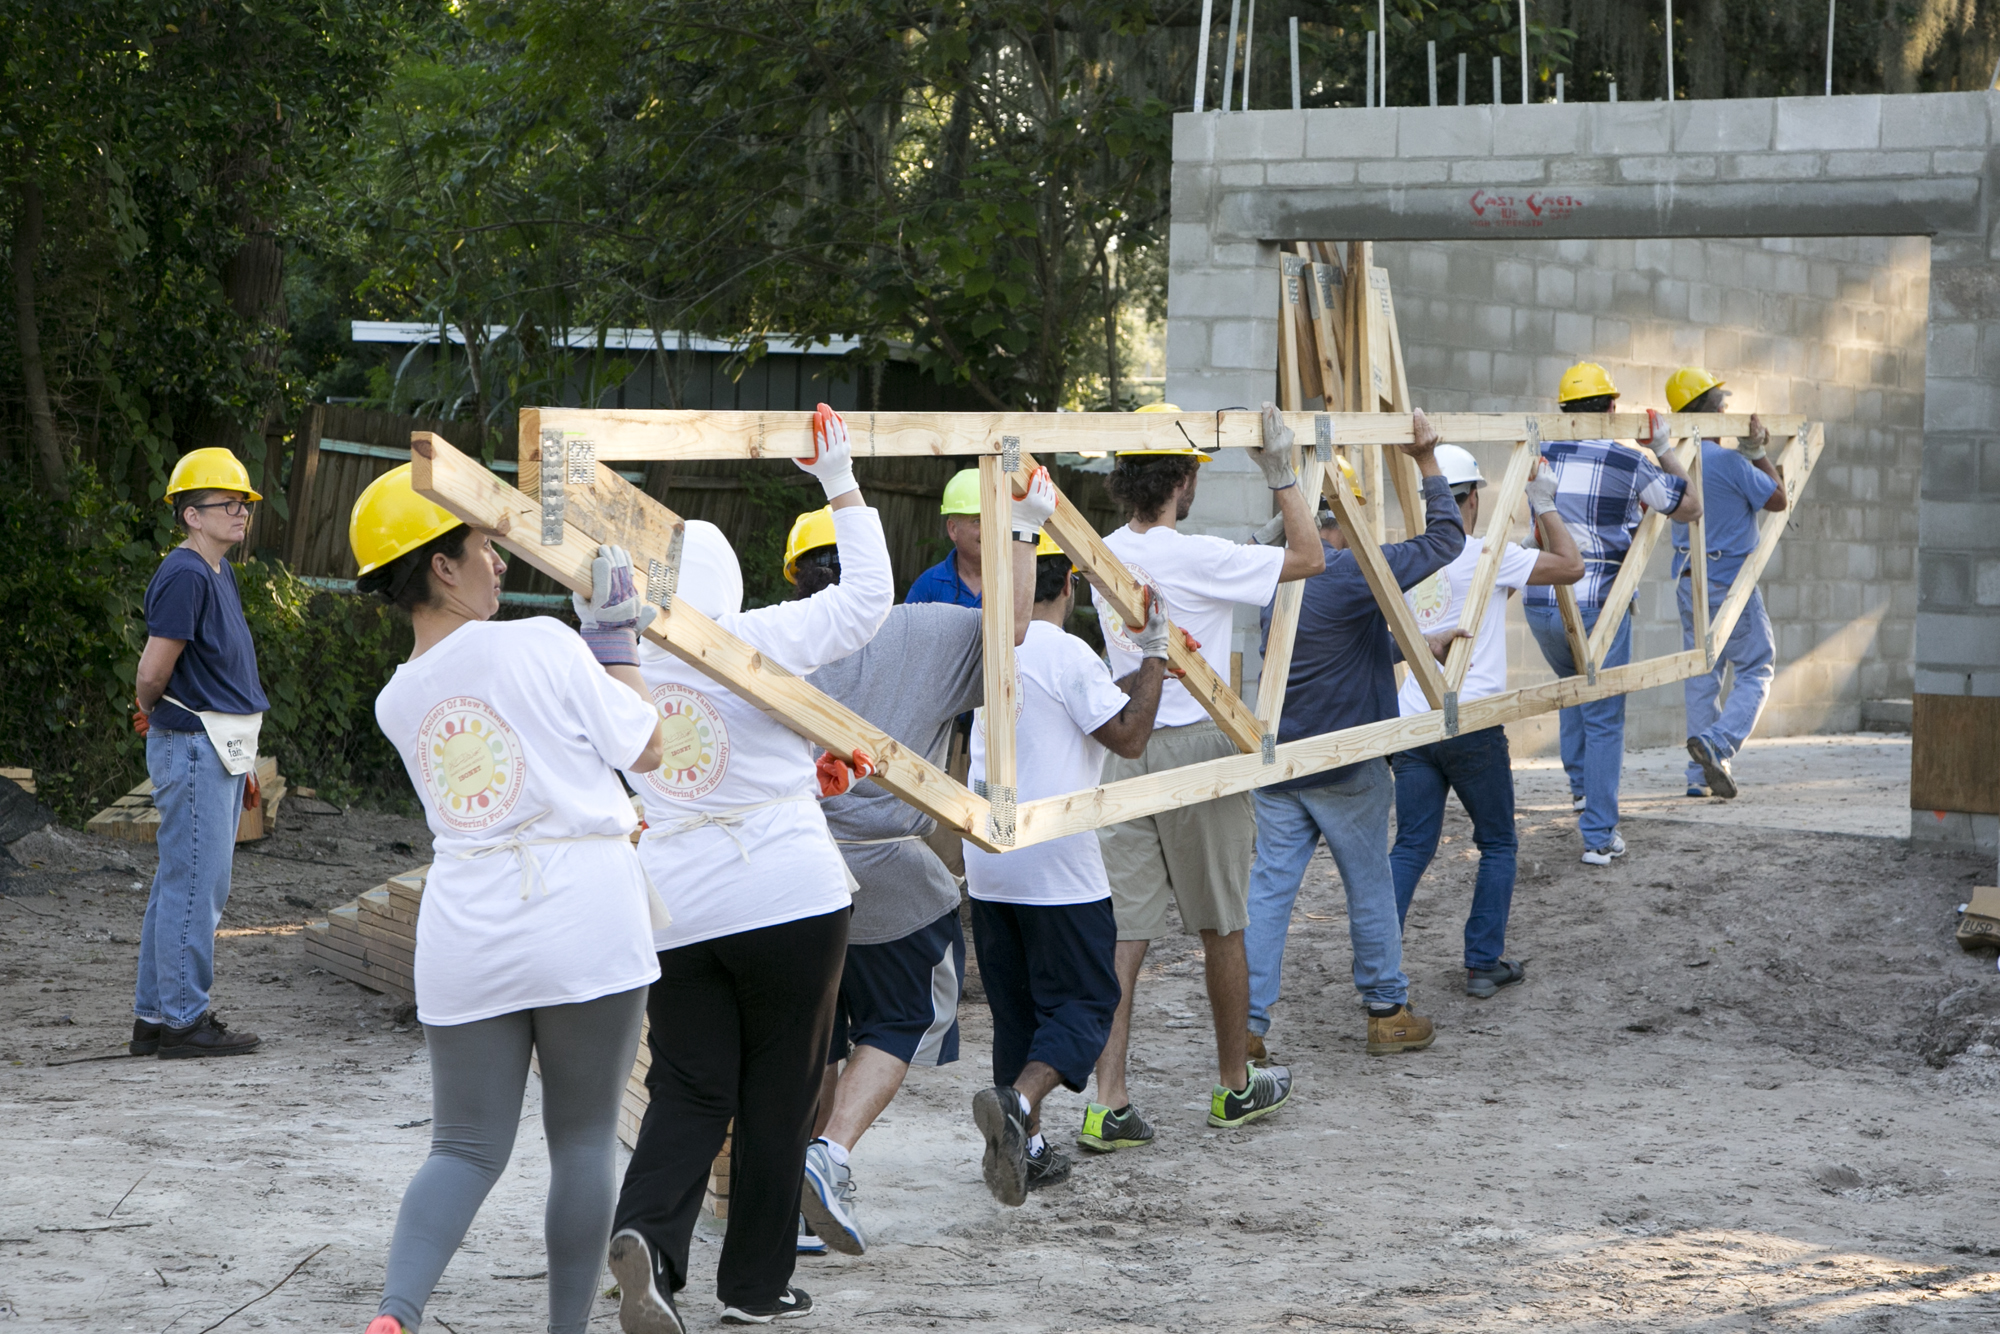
<point>810,1242</point>
<point>828,1202</point>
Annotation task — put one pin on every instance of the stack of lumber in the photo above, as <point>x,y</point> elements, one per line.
<point>133,817</point>
<point>23,779</point>
<point>372,941</point>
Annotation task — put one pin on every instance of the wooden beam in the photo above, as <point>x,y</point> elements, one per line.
<point>1697,573</point>
<point>662,435</point>
<point>1502,500</point>
<point>1409,482</point>
<point>1108,575</point>
<point>1114,803</point>
<point>460,484</point>
<point>1388,594</point>
<point>996,616</point>
<point>1284,632</point>
<point>1323,285</point>
<point>1291,381</point>
<point>1796,464</point>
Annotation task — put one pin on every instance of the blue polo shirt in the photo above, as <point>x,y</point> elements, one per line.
<point>940,583</point>
<point>217,671</point>
<point>1733,492</point>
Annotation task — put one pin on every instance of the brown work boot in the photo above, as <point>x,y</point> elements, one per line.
<point>1258,1054</point>
<point>1399,1030</point>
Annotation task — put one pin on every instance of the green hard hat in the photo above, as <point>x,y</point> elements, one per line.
<point>961,493</point>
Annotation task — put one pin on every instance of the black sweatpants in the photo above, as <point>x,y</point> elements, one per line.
<point>739,1030</point>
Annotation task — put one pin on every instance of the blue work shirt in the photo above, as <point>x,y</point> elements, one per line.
<point>940,583</point>
<point>1343,674</point>
<point>217,670</point>
<point>1733,492</point>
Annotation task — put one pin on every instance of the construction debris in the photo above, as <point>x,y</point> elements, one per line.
<point>1979,920</point>
<point>21,778</point>
<point>133,817</point>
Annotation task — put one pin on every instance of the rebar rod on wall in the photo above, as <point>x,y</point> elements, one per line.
<point>1201,56</point>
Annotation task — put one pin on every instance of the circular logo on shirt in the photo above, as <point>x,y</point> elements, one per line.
<point>1113,625</point>
<point>697,743</point>
<point>1431,599</point>
<point>472,763</point>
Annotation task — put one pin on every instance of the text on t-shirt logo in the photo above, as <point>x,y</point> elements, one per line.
<point>472,763</point>
<point>1431,600</point>
<point>697,743</point>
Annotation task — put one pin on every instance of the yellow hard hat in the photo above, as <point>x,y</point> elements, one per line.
<point>390,519</point>
<point>961,494</point>
<point>214,469</point>
<point>1046,545</point>
<point>810,531</point>
<point>1586,379</point>
<point>1183,450</point>
<point>1353,482</point>
<point>1687,384</point>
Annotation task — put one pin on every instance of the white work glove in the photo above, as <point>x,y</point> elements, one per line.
<point>613,615</point>
<point>833,460</point>
<point>1035,508</point>
<point>1760,436</point>
<point>1274,456</point>
<point>1542,489</point>
<point>1270,533</point>
<point>1152,637</point>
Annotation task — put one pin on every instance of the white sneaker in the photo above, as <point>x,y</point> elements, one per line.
<point>1577,803</point>
<point>645,1303</point>
<point>1603,856</point>
<point>828,1202</point>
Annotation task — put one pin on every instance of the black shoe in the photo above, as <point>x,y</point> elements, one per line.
<point>206,1036</point>
<point>645,1302</point>
<point>1106,1131</point>
<point>1050,1167</point>
<point>998,1114</point>
<point>1713,767</point>
<point>1481,983</point>
<point>145,1038</point>
<point>793,1303</point>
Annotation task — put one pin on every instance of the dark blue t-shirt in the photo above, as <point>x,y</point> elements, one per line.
<point>217,670</point>
<point>940,583</point>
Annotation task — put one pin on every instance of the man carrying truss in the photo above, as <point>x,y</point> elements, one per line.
<point>1475,765</point>
<point>1042,916</point>
<point>1343,675</point>
<point>955,579</point>
<point>1736,485</point>
<point>1603,489</point>
<point>1196,857</point>
<point>898,1002</point>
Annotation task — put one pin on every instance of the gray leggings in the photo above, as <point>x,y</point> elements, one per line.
<point>478,1072</point>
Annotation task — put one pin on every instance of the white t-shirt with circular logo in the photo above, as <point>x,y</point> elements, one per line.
<point>771,859</point>
<point>1439,601</point>
<point>510,730</point>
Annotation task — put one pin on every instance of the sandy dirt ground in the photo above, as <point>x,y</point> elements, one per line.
<point>1749,1084</point>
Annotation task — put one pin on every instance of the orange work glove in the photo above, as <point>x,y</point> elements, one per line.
<point>141,723</point>
<point>1656,429</point>
<point>837,775</point>
<point>252,799</point>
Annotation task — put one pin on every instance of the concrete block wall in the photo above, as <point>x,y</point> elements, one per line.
<point>1832,328</point>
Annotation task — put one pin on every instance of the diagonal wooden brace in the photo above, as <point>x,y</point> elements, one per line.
<point>460,484</point>
<point>1502,500</point>
<point>1388,596</point>
<point>1108,575</point>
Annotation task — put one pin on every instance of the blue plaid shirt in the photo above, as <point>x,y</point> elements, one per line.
<point>1602,491</point>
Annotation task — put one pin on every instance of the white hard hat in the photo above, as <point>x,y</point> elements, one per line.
<point>1458,466</point>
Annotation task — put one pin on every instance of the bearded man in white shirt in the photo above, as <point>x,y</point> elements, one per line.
<point>1475,765</point>
<point>1196,857</point>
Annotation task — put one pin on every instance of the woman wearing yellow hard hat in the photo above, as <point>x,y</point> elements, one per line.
<point>199,706</point>
<point>1737,485</point>
<point>536,934</point>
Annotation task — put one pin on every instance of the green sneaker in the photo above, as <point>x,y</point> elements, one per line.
<point>1267,1090</point>
<point>1106,1131</point>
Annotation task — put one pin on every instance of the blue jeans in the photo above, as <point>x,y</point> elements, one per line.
<point>1477,767</point>
<point>200,805</point>
<point>1593,734</point>
<point>1750,652</point>
<point>1352,814</point>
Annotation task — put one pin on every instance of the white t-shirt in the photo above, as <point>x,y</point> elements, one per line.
<point>1064,695</point>
<point>776,863</point>
<point>1439,601</point>
<point>510,730</point>
<point>1200,579</point>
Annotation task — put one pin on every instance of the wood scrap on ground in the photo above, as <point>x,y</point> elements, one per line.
<point>134,818</point>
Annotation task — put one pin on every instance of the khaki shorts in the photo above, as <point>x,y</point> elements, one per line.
<point>1197,856</point>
